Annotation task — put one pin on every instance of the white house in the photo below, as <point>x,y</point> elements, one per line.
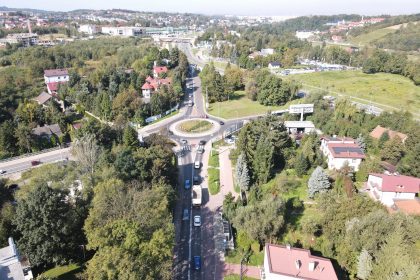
<point>388,188</point>
<point>124,31</point>
<point>12,265</point>
<point>341,152</point>
<point>286,263</point>
<point>56,76</point>
<point>88,29</point>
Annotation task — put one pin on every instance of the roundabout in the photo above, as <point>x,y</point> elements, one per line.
<point>194,127</point>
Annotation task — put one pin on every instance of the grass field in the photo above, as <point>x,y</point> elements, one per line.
<point>67,272</point>
<point>394,92</point>
<point>367,38</point>
<point>214,173</point>
<point>195,126</point>
<point>237,277</point>
<point>239,106</point>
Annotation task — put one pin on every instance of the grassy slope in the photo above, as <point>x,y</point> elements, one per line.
<point>367,38</point>
<point>387,89</point>
<point>67,272</point>
<point>239,106</point>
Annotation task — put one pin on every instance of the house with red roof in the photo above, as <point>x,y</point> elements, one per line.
<point>151,85</point>
<point>157,70</point>
<point>54,77</point>
<point>379,130</point>
<point>286,263</point>
<point>391,189</point>
<point>341,151</point>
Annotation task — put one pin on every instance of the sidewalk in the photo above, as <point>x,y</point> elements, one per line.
<point>250,271</point>
<point>226,174</point>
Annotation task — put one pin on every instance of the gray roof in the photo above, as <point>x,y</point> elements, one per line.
<point>42,98</point>
<point>55,72</point>
<point>10,266</point>
<point>47,130</point>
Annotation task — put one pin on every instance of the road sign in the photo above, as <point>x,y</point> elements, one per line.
<point>301,108</point>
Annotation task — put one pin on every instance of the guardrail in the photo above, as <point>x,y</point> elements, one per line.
<point>66,145</point>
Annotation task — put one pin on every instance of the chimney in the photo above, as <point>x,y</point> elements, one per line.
<point>298,264</point>
<point>312,266</point>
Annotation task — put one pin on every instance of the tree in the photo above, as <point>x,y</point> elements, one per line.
<point>393,150</point>
<point>383,139</point>
<point>48,227</point>
<point>242,173</point>
<point>130,137</point>
<point>364,266</point>
<point>262,220</point>
<point>301,164</point>
<point>318,182</point>
<point>87,152</point>
<point>360,141</point>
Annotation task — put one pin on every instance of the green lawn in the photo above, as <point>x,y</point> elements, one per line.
<point>391,92</point>
<point>67,272</point>
<point>255,259</point>
<point>239,106</point>
<point>195,126</point>
<point>214,182</point>
<point>367,38</point>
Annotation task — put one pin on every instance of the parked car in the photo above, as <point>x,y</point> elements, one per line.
<point>197,262</point>
<point>187,184</point>
<point>197,221</point>
<point>186,215</point>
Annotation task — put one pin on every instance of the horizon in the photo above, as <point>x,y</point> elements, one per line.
<point>265,8</point>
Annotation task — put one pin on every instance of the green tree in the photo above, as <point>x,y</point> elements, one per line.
<point>48,227</point>
<point>301,164</point>
<point>318,182</point>
<point>364,266</point>
<point>242,173</point>
<point>130,137</point>
<point>393,150</point>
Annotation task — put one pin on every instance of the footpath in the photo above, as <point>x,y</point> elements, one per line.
<point>249,271</point>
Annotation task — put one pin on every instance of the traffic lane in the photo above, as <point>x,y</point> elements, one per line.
<point>196,244</point>
<point>21,166</point>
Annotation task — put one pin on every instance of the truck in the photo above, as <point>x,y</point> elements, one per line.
<point>196,195</point>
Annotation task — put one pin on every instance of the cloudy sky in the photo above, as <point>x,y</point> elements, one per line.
<point>235,7</point>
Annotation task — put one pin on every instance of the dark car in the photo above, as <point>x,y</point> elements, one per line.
<point>202,142</point>
<point>197,262</point>
<point>35,162</point>
<point>196,180</point>
<point>221,123</point>
<point>187,184</point>
<point>185,215</point>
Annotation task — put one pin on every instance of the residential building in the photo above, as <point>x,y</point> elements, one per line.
<point>341,152</point>
<point>26,39</point>
<point>152,84</point>
<point>287,263</point>
<point>158,70</point>
<point>47,131</point>
<point>88,29</point>
<point>56,76</point>
<point>274,65</point>
<point>44,98</point>
<point>13,266</point>
<point>390,189</point>
<point>379,131</point>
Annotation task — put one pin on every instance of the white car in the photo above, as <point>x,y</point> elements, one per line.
<point>197,221</point>
<point>2,171</point>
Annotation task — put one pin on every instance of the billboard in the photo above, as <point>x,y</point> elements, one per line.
<point>301,108</point>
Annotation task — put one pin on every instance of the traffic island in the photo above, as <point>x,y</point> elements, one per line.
<point>195,128</point>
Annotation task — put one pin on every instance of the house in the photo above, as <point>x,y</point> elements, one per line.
<point>286,263</point>
<point>56,76</point>
<point>47,131</point>
<point>152,84</point>
<point>297,127</point>
<point>379,131</point>
<point>158,70</point>
<point>390,189</point>
<point>43,98</point>
<point>12,265</point>
<point>88,29</point>
<point>274,65</point>
<point>341,152</point>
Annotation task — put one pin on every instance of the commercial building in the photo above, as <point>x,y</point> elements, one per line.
<point>287,263</point>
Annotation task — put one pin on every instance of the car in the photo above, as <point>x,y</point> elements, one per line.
<point>2,171</point>
<point>197,165</point>
<point>184,141</point>
<point>229,141</point>
<point>196,180</point>
<point>187,184</point>
<point>202,142</point>
<point>35,162</point>
<point>221,123</point>
<point>197,221</point>
<point>185,215</point>
<point>197,262</point>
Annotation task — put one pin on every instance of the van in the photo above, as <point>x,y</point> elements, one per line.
<point>197,165</point>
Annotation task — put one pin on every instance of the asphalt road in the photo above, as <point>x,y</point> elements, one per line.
<point>24,163</point>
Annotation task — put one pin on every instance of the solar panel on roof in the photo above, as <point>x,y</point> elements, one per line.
<point>339,150</point>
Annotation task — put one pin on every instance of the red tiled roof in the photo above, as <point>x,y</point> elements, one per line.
<point>149,79</point>
<point>55,72</point>
<point>160,69</point>
<point>283,261</point>
<point>398,183</point>
<point>345,150</point>
<point>408,206</point>
<point>147,86</point>
<point>54,85</point>
<point>379,130</point>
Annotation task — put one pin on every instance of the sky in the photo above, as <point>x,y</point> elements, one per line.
<point>232,7</point>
